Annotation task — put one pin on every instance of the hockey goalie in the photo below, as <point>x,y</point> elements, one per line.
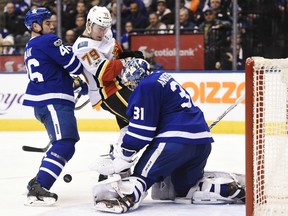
<point>121,191</point>
<point>175,142</point>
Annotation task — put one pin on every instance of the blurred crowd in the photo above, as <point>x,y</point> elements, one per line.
<point>261,25</point>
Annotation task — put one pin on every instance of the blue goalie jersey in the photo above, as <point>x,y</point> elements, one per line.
<point>161,110</point>
<point>49,65</point>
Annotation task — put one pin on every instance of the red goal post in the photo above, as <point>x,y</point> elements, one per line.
<point>266,84</point>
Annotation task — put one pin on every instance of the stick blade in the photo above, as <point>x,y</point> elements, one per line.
<point>33,149</point>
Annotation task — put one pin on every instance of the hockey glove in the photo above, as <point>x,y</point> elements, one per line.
<point>135,54</point>
<point>108,165</point>
<point>80,86</point>
<point>118,162</point>
<point>122,154</point>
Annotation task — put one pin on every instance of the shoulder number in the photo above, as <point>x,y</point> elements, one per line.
<point>138,113</point>
<point>183,94</point>
<point>64,50</point>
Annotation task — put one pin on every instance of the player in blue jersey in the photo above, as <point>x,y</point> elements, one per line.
<point>49,65</point>
<point>164,119</point>
<point>162,115</point>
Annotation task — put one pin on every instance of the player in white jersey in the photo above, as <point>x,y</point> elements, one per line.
<point>103,59</point>
<point>99,53</point>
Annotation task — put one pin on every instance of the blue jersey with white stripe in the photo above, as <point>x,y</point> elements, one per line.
<point>161,110</point>
<point>49,65</point>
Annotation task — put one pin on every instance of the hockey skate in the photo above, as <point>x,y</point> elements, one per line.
<point>39,196</point>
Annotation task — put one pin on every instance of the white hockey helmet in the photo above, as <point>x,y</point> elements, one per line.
<point>100,16</point>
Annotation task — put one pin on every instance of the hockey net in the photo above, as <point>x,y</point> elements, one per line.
<point>266,136</point>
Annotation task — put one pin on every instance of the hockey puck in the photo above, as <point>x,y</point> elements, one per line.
<point>67,178</point>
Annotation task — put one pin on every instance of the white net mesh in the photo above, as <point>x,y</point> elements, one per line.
<point>270,143</point>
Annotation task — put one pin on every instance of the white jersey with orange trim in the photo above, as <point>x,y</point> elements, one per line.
<point>101,67</point>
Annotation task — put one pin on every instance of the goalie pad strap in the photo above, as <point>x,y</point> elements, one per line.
<point>124,200</point>
<point>235,194</point>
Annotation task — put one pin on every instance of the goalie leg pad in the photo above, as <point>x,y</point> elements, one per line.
<point>128,194</point>
<point>234,195</point>
<point>139,192</point>
<point>239,178</point>
<point>107,198</point>
<point>213,188</point>
<point>163,190</point>
<point>218,190</point>
<point>210,198</point>
<point>104,190</point>
<point>114,205</point>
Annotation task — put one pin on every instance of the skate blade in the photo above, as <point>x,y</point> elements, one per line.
<point>35,202</point>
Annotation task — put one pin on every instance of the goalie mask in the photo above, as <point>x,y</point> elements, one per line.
<point>37,15</point>
<point>134,71</point>
<point>99,16</point>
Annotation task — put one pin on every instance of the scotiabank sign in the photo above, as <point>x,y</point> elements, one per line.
<point>13,63</point>
<point>191,49</point>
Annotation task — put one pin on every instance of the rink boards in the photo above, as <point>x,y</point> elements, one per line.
<point>212,92</point>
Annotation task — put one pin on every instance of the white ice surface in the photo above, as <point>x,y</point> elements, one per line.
<point>18,167</point>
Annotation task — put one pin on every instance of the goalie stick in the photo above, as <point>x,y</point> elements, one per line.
<point>239,100</point>
<point>44,149</point>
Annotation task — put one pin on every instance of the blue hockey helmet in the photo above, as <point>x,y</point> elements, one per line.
<point>134,71</point>
<point>36,15</point>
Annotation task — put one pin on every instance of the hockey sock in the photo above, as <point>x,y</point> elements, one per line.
<point>54,161</point>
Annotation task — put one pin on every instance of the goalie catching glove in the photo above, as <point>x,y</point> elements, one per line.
<point>118,162</point>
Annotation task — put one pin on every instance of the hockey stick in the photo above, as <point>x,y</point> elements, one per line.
<point>239,100</point>
<point>77,98</point>
<point>35,149</point>
<point>82,105</point>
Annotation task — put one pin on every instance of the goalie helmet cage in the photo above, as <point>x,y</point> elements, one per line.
<point>266,136</point>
